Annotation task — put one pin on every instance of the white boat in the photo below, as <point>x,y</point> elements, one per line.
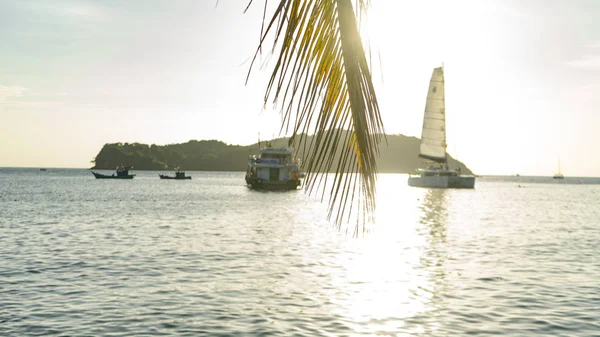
<point>558,175</point>
<point>274,168</point>
<point>433,143</point>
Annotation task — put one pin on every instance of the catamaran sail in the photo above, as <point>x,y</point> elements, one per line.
<point>433,135</point>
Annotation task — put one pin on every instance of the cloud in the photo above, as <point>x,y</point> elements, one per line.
<point>65,8</point>
<point>587,62</point>
<point>7,92</point>
<point>593,45</point>
<point>590,60</point>
<point>29,104</point>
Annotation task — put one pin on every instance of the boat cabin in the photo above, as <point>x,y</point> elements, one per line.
<point>122,171</point>
<point>274,156</point>
<point>273,166</point>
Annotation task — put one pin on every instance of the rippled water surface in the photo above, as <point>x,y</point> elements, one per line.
<point>209,257</point>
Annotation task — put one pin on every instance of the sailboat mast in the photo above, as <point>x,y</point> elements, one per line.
<point>445,120</point>
<point>559,165</point>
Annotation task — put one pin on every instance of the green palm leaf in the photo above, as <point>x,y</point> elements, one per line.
<point>323,81</point>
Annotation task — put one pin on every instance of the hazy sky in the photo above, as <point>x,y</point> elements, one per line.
<point>522,77</point>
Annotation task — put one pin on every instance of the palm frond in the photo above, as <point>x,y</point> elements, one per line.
<point>323,82</point>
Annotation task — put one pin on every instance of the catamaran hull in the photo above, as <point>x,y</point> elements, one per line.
<point>442,181</point>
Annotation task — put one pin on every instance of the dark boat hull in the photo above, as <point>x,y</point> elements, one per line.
<point>174,178</point>
<point>104,176</point>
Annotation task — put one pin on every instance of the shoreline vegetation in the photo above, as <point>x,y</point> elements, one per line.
<point>399,156</point>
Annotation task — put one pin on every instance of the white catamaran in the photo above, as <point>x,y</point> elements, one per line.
<point>433,142</point>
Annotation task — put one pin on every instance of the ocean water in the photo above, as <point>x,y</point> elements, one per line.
<point>516,256</point>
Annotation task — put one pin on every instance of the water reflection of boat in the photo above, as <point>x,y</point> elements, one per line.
<point>122,172</point>
<point>433,260</point>
<point>435,215</point>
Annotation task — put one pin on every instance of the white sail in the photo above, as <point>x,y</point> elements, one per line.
<point>433,136</point>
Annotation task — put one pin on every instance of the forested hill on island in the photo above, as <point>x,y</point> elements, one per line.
<point>400,155</point>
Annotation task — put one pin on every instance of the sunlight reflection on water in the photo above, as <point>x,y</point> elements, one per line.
<point>393,271</point>
<point>389,281</point>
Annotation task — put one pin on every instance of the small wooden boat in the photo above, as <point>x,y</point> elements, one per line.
<point>121,173</point>
<point>179,175</point>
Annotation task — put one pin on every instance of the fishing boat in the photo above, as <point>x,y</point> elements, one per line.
<point>122,172</point>
<point>433,143</point>
<point>179,175</point>
<point>274,169</point>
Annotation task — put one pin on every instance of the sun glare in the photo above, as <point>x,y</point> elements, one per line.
<point>388,282</point>
<point>480,45</point>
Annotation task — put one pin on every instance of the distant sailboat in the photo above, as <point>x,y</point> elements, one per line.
<point>433,142</point>
<point>558,175</point>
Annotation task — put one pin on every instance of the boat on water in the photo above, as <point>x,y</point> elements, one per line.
<point>274,169</point>
<point>179,175</point>
<point>433,143</point>
<point>122,172</point>
<point>558,175</point>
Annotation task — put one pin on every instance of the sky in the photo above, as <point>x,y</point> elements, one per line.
<point>522,77</point>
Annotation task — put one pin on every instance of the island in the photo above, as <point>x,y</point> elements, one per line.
<point>398,155</point>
